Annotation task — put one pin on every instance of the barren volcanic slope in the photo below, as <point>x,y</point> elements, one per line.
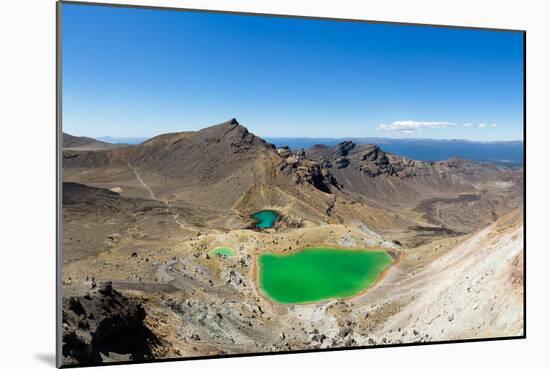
<point>150,217</point>
<point>86,143</point>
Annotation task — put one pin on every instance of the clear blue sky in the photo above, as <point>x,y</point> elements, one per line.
<point>140,72</point>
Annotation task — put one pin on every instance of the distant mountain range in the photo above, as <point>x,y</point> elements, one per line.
<point>508,153</point>
<point>123,140</point>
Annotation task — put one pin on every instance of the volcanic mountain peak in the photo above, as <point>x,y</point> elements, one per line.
<point>227,133</point>
<point>233,122</point>
<point>235,133</point>
<point>224,127</point>
<point>207,155</point>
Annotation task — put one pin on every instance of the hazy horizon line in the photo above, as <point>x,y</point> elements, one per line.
<point>343,138</point>
<point>386,138</point>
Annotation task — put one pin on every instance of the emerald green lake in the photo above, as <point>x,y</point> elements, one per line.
<point>226,251</point>
<point>265,218</point>
<point>319,273</point>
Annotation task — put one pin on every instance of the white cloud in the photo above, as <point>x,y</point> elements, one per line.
<point>411,126</point>
<point>408,127</point>
<point>486,125</point>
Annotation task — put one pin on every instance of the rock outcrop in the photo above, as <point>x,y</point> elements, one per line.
<point>368,159</point>
<point>104,326</point>
<point>304,171</point>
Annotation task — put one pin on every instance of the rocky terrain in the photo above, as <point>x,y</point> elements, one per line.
<point>106,326</point>
<point>140,220</point>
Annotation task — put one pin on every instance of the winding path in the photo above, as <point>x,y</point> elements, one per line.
<point>153,197</point>
<point>141,181</point>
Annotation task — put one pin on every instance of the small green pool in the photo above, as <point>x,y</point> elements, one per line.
<point>225,251</point>
<point>265,218</point>
<point>320,273</point>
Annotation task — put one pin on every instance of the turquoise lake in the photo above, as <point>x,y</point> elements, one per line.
<point>265,218</point>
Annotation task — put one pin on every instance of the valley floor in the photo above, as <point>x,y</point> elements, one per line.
<point>462,287</point>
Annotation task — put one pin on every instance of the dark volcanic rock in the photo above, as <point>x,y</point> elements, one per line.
<point>307,171</point>
<point>368,159</point>
<point>313,175</point>
<point>104,325</point>
<point>373,162</point>
<point>342,149</point>
<point>341,162</point>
